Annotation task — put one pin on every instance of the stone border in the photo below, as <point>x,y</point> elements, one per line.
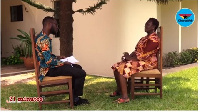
<point>16,73</point>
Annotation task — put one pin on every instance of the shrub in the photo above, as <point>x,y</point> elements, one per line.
<point>187,56</point>
<point>171,59</point>
<point>194,52</point>
<point>25,40</point>
<point>15,58</point>
<point>18,51</point>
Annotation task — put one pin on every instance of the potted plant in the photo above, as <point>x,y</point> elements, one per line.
<point>15,58</point>
<point>26,46</point>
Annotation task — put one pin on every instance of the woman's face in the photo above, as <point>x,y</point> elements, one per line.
<point>149,27</point>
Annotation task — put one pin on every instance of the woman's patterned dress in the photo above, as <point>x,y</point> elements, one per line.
<point>145,50</point>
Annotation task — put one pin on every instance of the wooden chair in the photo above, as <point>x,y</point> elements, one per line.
<point>50,81</point>
<point>151,79</point>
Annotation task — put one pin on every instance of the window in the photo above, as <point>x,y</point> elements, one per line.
<point>56,15</point>
<point>16,13</point>
<point>57,8</point>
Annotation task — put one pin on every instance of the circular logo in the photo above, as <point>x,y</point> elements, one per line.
<point>185,17</point>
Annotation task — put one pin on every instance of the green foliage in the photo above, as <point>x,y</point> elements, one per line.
<point>187,56</point>
<point>39,6</point>
<point>18,51</point>
<point>194,53</point>
<point>180,92</point>
<point>171,59</point>
<point>15,58</point>
<point>163,1</point>
<point>25,43</point>
<point>92,9</point>
<point>12,60</point>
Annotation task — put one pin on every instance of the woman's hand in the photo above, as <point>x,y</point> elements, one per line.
<point>126,54</point>
<point>123,58</point>
<point>128,57</point>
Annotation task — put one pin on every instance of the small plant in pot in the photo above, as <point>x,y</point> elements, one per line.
<point>15,58</point>
<point>25,40</point>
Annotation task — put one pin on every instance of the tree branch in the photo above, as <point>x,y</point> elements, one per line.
<point>163,1</point>
<point>92,9</point>
<point>39,6</point>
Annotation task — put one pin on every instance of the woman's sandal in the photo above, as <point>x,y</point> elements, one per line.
<point>122,100</point>
<point>115,94</point>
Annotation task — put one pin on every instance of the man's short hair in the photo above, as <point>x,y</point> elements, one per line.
<point>47,19</point>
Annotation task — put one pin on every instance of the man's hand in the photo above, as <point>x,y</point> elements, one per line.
<point>67,63</point>
<point>61,57</point>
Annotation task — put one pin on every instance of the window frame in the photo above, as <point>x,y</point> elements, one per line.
<point>16,13</point>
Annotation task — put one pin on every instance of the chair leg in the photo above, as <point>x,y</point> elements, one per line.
<point>147,82</point>
<point>132,87</point>
<point>156,82</point>
<point>161,87</point>
<point>142,81</point>
<point>40,106</point>
<point>71,94</point>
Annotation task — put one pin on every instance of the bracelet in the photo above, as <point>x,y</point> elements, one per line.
<point>123,58</point>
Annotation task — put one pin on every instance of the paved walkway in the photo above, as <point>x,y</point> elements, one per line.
<point>10,70</point>
<point>176,69</point>
<point>19,74</point>
<point>13,74</point>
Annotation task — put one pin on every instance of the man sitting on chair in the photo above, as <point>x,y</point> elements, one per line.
<point>50,64</point>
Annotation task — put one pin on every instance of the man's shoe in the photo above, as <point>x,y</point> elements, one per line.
<point>81,101</point>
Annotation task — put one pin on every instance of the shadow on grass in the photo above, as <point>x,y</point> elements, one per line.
<point>177,95</point>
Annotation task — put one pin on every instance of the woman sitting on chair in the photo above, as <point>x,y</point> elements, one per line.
<point>143,58</point>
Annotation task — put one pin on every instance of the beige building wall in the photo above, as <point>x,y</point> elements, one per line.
<point>32,17</point>
<point>177,38</point>
<point>189,34</point>
<point>159,14</point>
<point>100,39</point>
<point>170,27</point>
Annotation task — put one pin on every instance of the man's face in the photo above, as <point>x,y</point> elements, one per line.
<point>54,27</point>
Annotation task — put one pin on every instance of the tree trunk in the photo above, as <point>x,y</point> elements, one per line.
<point>66,27</point>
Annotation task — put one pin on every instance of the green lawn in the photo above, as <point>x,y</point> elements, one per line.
<point>180,92</point>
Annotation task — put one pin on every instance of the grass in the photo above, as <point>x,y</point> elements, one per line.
<point>180,92</point>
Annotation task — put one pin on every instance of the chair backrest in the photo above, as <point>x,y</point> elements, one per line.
<point>36,64</point>
<point>160,53</point>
